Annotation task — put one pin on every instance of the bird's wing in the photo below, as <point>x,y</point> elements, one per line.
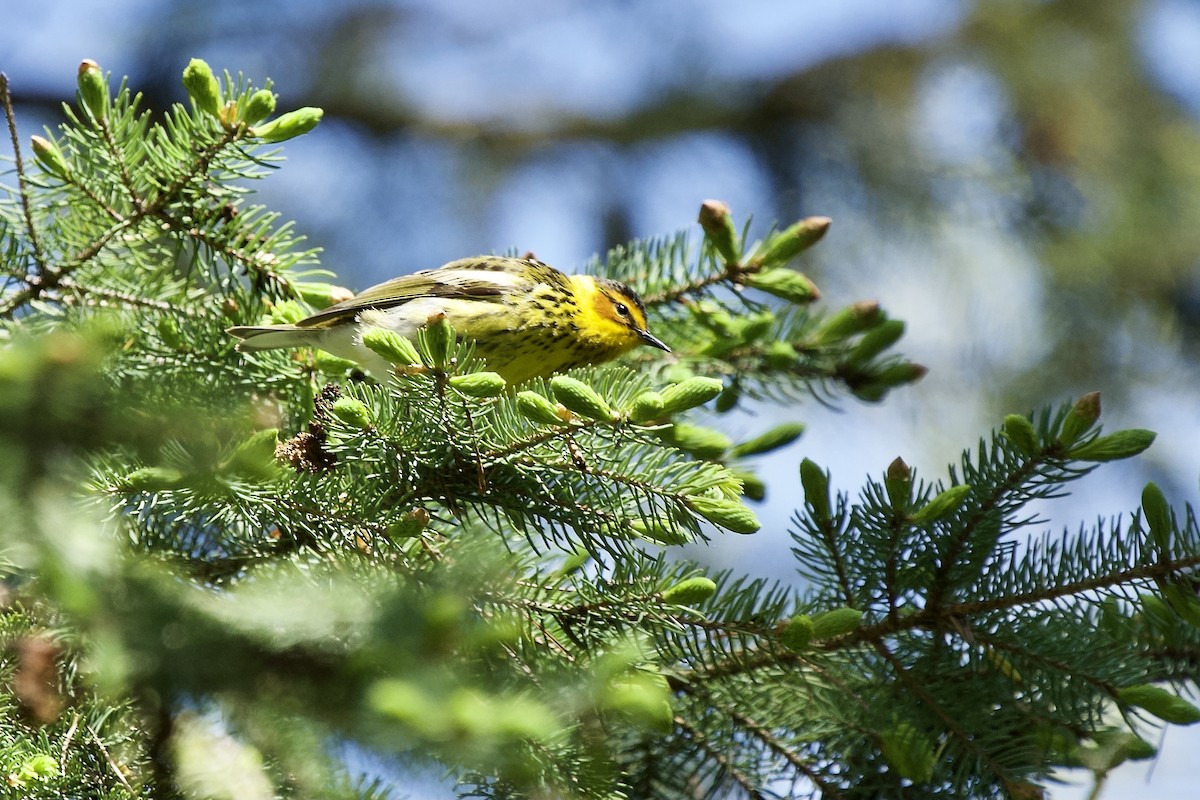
<point>462,283</point>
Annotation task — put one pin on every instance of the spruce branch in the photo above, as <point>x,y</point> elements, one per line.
<point>31,230</point>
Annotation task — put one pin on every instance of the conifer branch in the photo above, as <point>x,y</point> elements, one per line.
<point>35,243</point>
<point>931,703</point>
<point>762,734</point>
<point>726,764</point>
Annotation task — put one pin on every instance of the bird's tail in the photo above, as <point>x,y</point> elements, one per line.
<point>272,337</point>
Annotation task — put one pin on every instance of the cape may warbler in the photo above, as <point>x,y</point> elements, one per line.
<point>527,318</point>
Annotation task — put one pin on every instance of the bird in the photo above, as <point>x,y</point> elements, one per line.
<point>527,318</point>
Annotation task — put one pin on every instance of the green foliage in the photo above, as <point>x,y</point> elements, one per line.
<point>219,563</point>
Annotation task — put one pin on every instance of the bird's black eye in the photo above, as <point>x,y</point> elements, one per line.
<point>622,309</point>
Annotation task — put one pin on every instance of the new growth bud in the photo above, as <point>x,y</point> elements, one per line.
<point>322,295</point>
<point>1115,446</point>
<point>1157,512</point>
<point>647,406</point>
<point>816,488</point>
<point>657,532</point>
<point>1160,702</point>
<point>93,89</point>
<point>439,339</point>
<point>254,459</point>
<point>790,242</point>
<point>898,483</point>
<point>538,408</point>
<point>258,107</point>
<point>352,411</point>
<point>690,393</point>
<point>153,479</point>
<point>698,440</point>
<point>202,87</point>
<point>1019,430</point>
<point>836,622</point>
<point>690,591</point>
<point>50,157</point>
<point>784,284</point>
<point>391,347</point>
<point>479,384</point>
<point>876,340</point>
<point>1080,419</point>
<point>853,319</point>
<point>289,125</point>
<point>797,634</point>
<point>941,505</point>
<point>581,398</point>
<point>777,437</point>
<point>729,514</point>
<point>717,223</point>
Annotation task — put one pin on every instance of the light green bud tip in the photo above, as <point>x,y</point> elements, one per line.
<point>944,503</point>
<point>777,437</point>
<point>581,398</point>
<point>352,411</point>
<point>538,408</point>
<point>439,339</point>
<point>780,355</point>
<point>321,295</point>
<point>698,440</point>
<point>690,592</point>
<point>727,400</point>
<point>255,457</point>
<point>836,622</point>
<point>153,479</point>
<point>50,157</point>
<point>479,384</point>
<point>718,227</point>
<point>846,322</point>
<point>753,487</point>
<point>690,393</point>
<point>289,125</point>
<point>329,364</point>
<point>875,341</point>
<point>93,89</point>
<point>729,514</point>
<point>898,482</point>
<point>202,87</point>
<point>1160,702</point>
<point>1019,430</point>
<point>391,346</point>
<point>785,284</point>
<point>658,533</point>
<point>647,406</point>
<point>1158,515</point>
<point>791,241</point>
<point>258,107</point>
<point>816,488</point>
<point>1079,420</point>
<point>797,634</point>
<point>1115,446</point>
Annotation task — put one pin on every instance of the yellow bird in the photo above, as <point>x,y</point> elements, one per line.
<point>528,319</point>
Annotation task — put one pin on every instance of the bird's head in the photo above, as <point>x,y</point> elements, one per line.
<point>614,315</point>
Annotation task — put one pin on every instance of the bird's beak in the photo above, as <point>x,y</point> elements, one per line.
<point>652,340</point>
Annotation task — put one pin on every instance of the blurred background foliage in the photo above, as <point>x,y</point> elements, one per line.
<point>1019,180</point>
